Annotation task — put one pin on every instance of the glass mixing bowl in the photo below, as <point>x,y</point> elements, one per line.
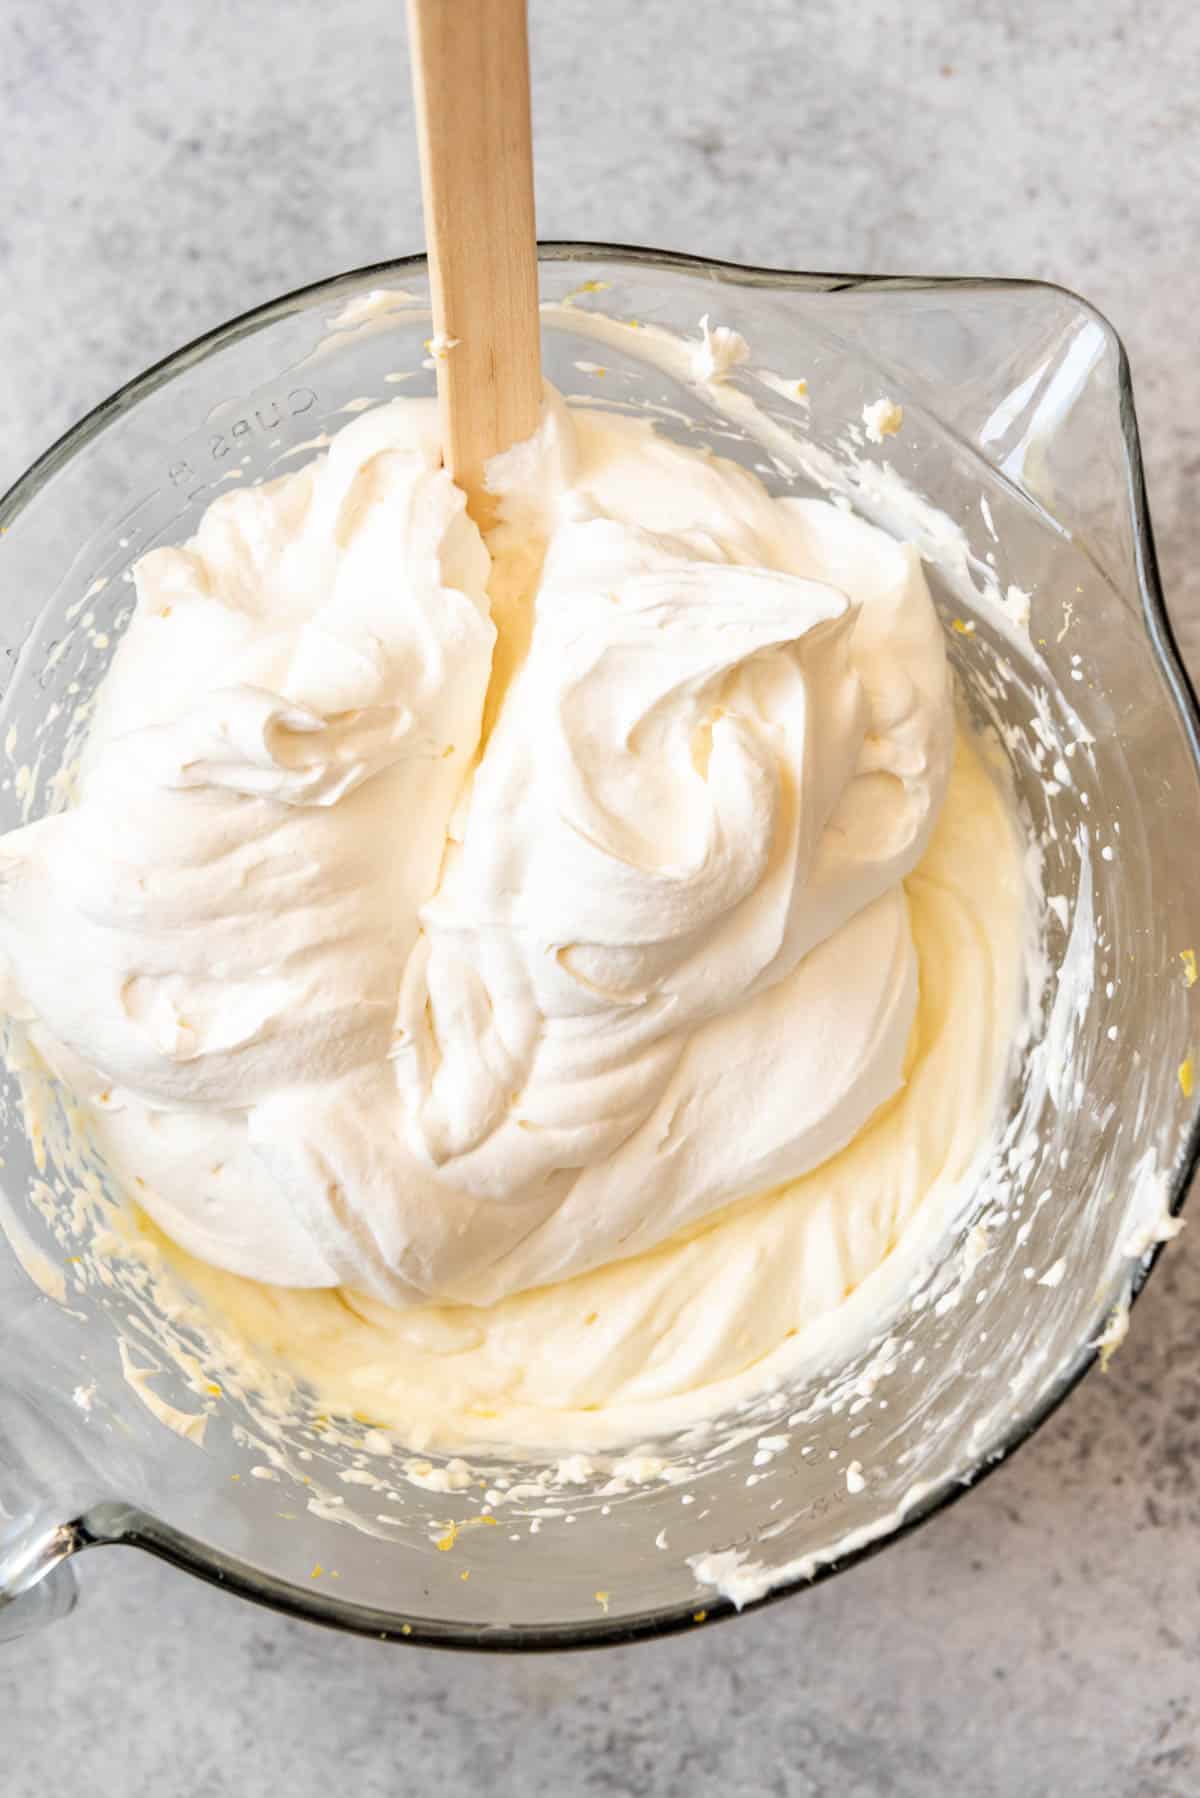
<point>1019,428</point>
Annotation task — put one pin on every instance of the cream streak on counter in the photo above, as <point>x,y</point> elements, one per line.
<point>439,920</point>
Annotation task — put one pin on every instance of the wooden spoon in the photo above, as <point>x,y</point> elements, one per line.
<point>470,61</point>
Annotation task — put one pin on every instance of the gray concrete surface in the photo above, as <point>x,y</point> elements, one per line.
<point>164,167</point>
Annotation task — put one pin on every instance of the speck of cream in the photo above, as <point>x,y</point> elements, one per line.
<point>882,419</point>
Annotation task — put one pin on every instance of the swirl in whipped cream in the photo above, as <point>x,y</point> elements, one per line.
<point>441,918</point>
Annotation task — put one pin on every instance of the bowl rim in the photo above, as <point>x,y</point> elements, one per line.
<point>115,1523</point>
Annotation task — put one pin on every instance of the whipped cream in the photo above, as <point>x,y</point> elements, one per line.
<point>440,919</point>
<point>719,351</point>
<point>747,1300</point>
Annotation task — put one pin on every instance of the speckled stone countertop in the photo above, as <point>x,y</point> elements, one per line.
<point>166,167</point>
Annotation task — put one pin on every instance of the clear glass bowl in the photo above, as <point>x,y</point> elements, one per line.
<point>1019,426</point>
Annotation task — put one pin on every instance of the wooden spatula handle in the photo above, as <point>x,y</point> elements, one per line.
<point>471,81</point>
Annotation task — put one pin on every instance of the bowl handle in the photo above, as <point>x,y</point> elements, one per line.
<point>37,1583</point>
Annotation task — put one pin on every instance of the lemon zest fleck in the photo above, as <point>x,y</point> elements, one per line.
<point>454,1531</point>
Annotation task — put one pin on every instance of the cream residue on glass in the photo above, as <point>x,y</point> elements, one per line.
<point>531,981</point>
